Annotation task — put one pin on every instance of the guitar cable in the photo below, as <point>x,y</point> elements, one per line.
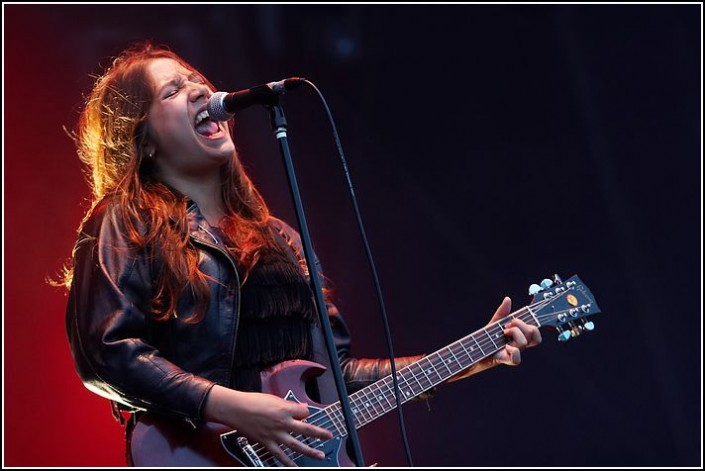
<point>383,311</point>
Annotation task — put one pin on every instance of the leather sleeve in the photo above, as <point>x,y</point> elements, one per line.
<point>109,331</point>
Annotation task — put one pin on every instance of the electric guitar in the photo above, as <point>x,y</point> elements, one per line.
<point>562,305</point>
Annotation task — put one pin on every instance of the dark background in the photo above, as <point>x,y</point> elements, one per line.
<point>490,146</point>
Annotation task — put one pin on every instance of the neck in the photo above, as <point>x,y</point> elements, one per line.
<point>205,191</point>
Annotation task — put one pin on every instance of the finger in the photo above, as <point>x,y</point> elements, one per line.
<point>534,337</point>
<point>508,356</point>
<point>531,332</point>
<point>311,430</point>
<point>505,307</point>
<point>514,355</point>
<point>295,445</point>
<point>299,411</point>
<point>517,337</point>
<point>278,453</point>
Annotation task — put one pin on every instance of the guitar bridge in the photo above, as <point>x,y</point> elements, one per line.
<point>247,449</point>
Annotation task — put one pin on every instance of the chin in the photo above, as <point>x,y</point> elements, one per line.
<point>222,153</point>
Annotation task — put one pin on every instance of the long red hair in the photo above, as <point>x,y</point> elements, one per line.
<point>110,135</point>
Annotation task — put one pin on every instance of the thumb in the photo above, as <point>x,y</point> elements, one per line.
<point>504,308</point>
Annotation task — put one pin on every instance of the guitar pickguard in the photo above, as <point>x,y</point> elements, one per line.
<point>331,448</point>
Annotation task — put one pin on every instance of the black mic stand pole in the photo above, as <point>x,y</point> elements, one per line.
<point>280,133</point>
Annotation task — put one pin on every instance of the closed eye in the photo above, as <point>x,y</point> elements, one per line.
<point>174,89</point>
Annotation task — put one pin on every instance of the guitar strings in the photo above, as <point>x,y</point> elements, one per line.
<point>267,456</point>
<point>326,420</point>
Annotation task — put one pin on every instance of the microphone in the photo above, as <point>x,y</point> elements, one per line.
<point>222,106</point>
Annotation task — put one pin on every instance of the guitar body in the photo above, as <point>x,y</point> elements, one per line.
<point>156,442</point>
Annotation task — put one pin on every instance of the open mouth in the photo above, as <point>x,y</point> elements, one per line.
<point>205,126</point>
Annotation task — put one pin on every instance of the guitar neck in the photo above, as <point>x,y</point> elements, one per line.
<point>377,399</point>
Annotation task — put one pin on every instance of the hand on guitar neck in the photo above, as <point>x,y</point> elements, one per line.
<point>522,336</point>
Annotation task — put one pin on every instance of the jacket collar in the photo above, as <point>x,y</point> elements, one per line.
<point>198,225</point>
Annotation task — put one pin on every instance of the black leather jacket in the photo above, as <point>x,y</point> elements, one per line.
<point>168,367</point>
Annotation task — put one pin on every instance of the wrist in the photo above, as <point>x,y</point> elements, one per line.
<point>222,402</point>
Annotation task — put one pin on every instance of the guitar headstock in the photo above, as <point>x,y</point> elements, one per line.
<point>565,305</point>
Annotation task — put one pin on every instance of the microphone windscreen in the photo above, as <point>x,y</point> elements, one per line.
<point>216,107</point>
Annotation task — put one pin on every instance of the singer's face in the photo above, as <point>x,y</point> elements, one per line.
<point>185,144</point>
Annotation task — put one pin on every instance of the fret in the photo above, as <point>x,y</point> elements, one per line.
<point>490,337</point>
<point>359,409</point>
<point>429,370</point>
<point>538,324</point>
<point>411,371</point>
<point>423,370</point>
<point>499,335</point>
<point>341,418</point>
<point>403,384</point>
<point>382,395</point>
<point>340,429</point>
<point>460,361</point>
<point>405,381</point>
<point>465,360</point>
<point>433,367</point>
<point>363,404</point>
<point>372,401</point>
<point>406,387</point>
<point>448,361</point>
<point>443,361</point>
<point>478,345</point>
<point>466,350</point>
<point>460,365</point>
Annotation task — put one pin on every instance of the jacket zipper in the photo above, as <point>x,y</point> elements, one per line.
<point>237,308</point>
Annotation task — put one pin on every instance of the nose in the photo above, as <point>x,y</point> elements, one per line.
<point>198,91</point>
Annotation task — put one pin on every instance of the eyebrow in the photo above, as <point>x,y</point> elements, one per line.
<point>175,81</point>
<point>180,79</point>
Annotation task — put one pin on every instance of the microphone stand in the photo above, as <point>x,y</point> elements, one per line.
<point>280,133</point>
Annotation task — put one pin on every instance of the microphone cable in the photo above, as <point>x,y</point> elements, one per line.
<point>368,252</point>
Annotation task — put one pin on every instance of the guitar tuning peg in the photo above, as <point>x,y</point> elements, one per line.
<point>564,336</point>
<point>546,283</point>
<point>588,325</point>
<point>557,279</point>
<point>534,289</point>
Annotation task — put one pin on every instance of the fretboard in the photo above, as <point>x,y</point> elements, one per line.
<point>377,399</point>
